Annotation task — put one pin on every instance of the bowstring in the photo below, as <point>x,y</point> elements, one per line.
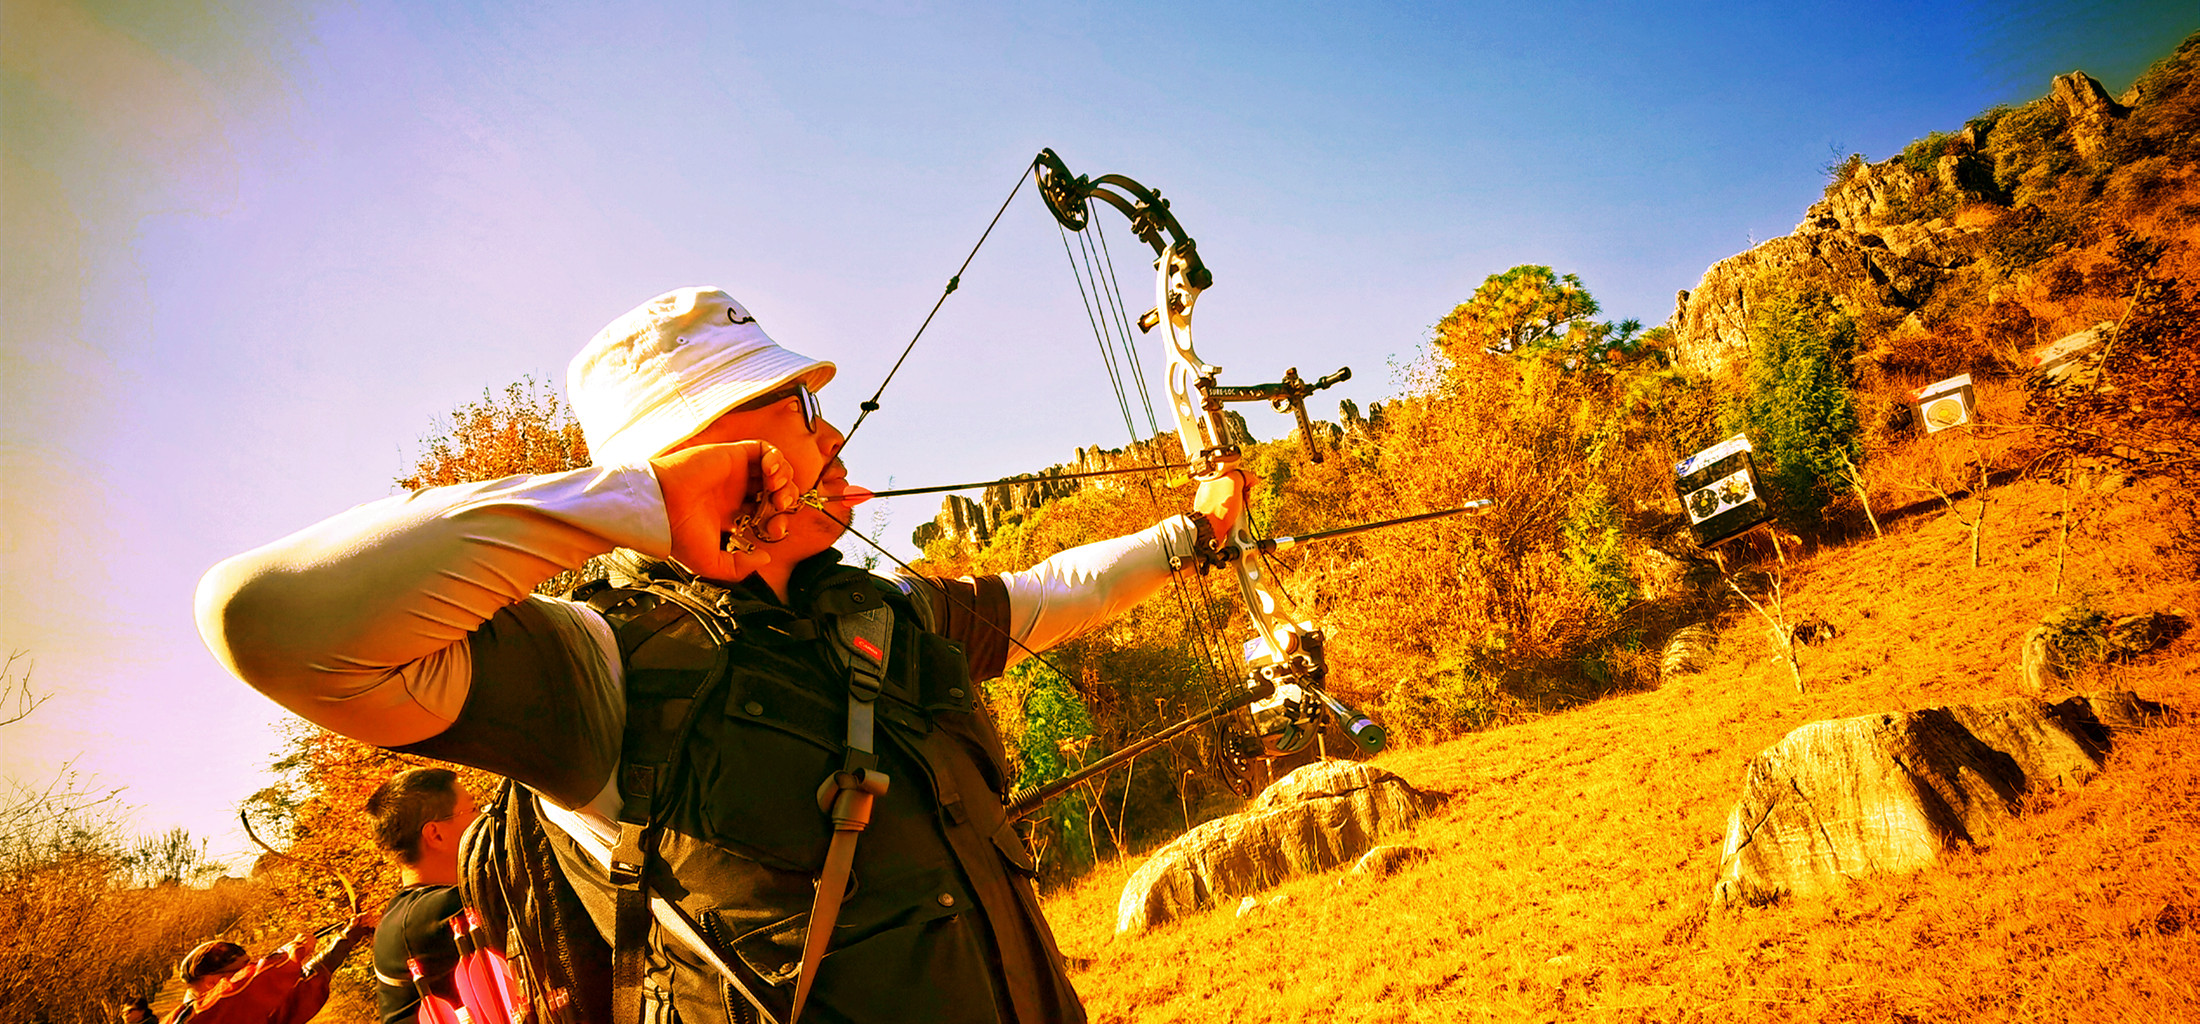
<point>1093,305</point>
<point>1103,301</point>
<point>870,405</point>
<point>1111,332</point>
<point>1095,316</point>
<point>1123,327</point>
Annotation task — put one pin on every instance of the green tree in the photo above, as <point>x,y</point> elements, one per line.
<point>1801,410</point>
<point>1526,307</point>
<point>1053,735</point>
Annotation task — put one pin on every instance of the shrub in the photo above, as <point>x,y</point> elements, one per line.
<point>1593,549</point>
<point>1801,411</point>
<point>2034,235</point>
<point>2077,636</point>
<point>92,917</point>
<point>1841,169</point>
<point>2031,151</point>
<point>1922,154</point>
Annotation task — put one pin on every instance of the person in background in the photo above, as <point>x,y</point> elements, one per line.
<point>226,986</point>
<point>137,1011</point>
<point>419,816</point>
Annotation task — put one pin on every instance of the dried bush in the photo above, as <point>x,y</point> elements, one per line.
<point>90,915</point>
<point>2143,413</point>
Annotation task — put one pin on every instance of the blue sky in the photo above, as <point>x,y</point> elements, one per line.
<point>254,249</point>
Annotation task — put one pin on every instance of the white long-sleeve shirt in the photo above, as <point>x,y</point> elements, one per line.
<point>361,623</point>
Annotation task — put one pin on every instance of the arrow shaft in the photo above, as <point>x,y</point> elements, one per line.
<point>1287,543</point>
<point>944,488</point>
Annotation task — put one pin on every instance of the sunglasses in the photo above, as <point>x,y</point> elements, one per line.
<point>811,410</point>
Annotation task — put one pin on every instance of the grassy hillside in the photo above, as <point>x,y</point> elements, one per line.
<point>1570,868</point>
<point>1968,252</point>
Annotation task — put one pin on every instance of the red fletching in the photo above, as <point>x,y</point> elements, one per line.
<point>434,1009</point>
<point>495,976</point>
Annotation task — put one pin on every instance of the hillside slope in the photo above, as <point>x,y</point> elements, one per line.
<point>1570,869</point>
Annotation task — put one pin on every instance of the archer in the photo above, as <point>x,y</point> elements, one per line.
<point>740,753</point>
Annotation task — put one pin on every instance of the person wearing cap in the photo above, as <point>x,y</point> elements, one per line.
<point>410,623</point>
<point>223,984</point>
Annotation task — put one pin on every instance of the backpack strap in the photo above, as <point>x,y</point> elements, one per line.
<point>863,639</point>
<point>646,766</point>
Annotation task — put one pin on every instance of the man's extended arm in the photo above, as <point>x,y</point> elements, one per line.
<point>1081,588</point>
<point>359,623</point>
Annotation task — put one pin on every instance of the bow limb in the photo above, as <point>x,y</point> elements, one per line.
<point>350,891</point>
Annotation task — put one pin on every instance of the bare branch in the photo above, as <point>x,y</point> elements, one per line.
<point>17,699</point>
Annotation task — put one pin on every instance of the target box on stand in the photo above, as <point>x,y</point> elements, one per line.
<point>1718,488</point>
<point>1946,404</point>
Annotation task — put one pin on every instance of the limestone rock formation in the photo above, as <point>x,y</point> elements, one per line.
<point>975,520</point>
<point>2092,114</point>
<point>1892,792</point>
<point>1886,226</point>
<point>1856,233</point>
<point>1314,819</point>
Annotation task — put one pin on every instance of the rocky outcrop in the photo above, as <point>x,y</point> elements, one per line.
<point>2069,640</point>
<point>1314,819</point>
<point>1893,792</point>
<point>1885,231</point>
<point>975,520</point>
<point>1858,233</point>
<point>2089,112</point>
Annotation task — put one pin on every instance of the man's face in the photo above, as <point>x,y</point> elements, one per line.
<point>463,811</point>
<point>812,448</point>
<point>439,838</point>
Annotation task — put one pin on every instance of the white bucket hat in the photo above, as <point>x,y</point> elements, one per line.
<point>670,367</point>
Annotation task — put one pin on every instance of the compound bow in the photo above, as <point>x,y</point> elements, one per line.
<point>1285,668</point>
<point>1282,690</point>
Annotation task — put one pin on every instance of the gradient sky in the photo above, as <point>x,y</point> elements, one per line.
<point>253,250</point>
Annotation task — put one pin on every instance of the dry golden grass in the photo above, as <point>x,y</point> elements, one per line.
<point>1570,868</point>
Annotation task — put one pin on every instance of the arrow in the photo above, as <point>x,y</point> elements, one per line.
<point>1274,544</point>
<point>1026,479</point>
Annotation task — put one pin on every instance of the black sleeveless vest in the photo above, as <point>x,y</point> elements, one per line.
<point>940,922</point>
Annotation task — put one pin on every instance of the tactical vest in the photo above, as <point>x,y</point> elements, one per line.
<point>737,709</point>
